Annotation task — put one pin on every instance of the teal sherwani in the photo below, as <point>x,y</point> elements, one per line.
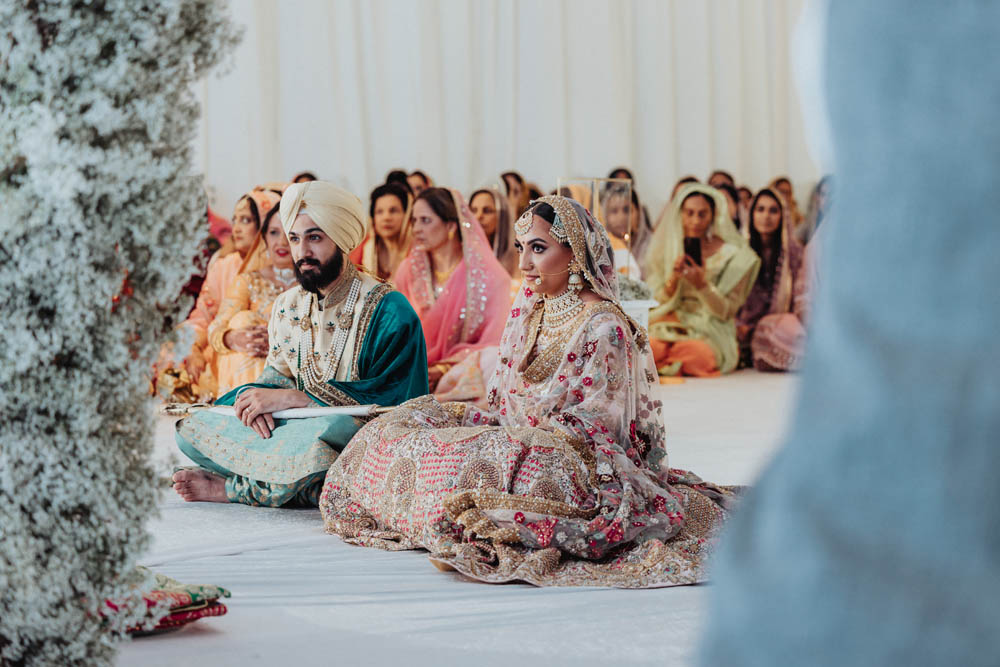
<point>382,360</point>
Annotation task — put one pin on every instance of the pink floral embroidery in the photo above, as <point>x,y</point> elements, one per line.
<point>543,530</point>
<point>519,517</point>
<point>578,395</point>
<point>621,334</point>
<point>599,523</point>
<point>675,518</point>
<point>614,532</point>
<point>587,381</point>
<point>590,348</point>
<point>516,312</point>
<point>532,420</point>
<point>528,293</point>
<point>571,357</point>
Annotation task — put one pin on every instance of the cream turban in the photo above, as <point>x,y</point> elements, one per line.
<point>337,212</point>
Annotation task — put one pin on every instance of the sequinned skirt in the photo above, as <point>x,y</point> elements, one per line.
<point>503,504</point>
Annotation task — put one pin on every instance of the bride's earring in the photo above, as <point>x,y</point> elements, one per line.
<point>575,277</point>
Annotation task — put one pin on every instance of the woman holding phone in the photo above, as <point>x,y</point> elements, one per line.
<point>701,271</point>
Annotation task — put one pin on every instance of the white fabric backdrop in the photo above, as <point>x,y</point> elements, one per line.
<point>466,89</point>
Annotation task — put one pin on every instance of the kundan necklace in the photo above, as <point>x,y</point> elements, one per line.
<point>559,310</point>
<point>559,313</point>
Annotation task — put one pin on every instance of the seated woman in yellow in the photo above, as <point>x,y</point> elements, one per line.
<point>701,271</point>
<point>239,332</point>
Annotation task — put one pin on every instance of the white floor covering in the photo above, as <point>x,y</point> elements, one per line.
<point>301,597</point>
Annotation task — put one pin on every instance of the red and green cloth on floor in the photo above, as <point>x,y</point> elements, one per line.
<point>187,603</point>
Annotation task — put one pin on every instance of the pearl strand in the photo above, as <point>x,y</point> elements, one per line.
<point>334,354</point>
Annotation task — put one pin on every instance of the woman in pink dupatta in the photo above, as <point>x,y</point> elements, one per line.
<point>460,292</point>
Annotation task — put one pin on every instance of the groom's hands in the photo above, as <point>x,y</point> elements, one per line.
<point>255,406</point>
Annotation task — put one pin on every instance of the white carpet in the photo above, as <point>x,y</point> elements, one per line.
<point>303,597</point>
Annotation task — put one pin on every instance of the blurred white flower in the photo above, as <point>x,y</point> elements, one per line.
<point>100,214</point>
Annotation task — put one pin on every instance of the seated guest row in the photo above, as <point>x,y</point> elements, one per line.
<point>711,309</point>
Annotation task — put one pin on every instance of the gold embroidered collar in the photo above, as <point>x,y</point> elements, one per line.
<point>341,287</point>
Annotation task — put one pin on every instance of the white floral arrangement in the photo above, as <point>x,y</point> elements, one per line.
<point>100,212</point>
<point>630,289</point>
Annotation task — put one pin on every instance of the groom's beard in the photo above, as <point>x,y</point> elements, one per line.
<point>314,276</point>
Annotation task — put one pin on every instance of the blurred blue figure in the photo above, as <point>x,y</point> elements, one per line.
<point>874,536</point>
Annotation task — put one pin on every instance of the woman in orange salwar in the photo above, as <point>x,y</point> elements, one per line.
<point>195,377</point>
<point>238,334</point>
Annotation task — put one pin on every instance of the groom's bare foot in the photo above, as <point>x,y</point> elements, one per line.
<point>200,485</point>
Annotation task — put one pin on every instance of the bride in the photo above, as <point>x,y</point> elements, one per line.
<point>563,480</point>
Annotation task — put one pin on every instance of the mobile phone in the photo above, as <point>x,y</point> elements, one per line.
<point>692,248</point>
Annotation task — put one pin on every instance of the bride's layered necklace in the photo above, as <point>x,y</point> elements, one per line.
<point>349,286</point>
<point>559,314</point>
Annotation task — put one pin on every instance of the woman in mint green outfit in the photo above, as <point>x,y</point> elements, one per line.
<point>693,330</point>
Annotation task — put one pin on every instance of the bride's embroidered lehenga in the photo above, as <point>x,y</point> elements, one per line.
<point>563,481</point>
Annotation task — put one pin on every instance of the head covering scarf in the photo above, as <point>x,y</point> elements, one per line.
<point>577,228</point>
<point>503,235</point>
<point>365,256</point>
<point>470,311</point>
<point>336,211</point>
<point>257,258</point>
<point>667,243</point>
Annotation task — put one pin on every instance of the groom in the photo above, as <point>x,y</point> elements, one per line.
<point>341,337</point>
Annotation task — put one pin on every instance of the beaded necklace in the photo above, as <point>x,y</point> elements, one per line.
<point>309,374</point>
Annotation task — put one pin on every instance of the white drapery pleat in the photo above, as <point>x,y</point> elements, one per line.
<point>466,89</point>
